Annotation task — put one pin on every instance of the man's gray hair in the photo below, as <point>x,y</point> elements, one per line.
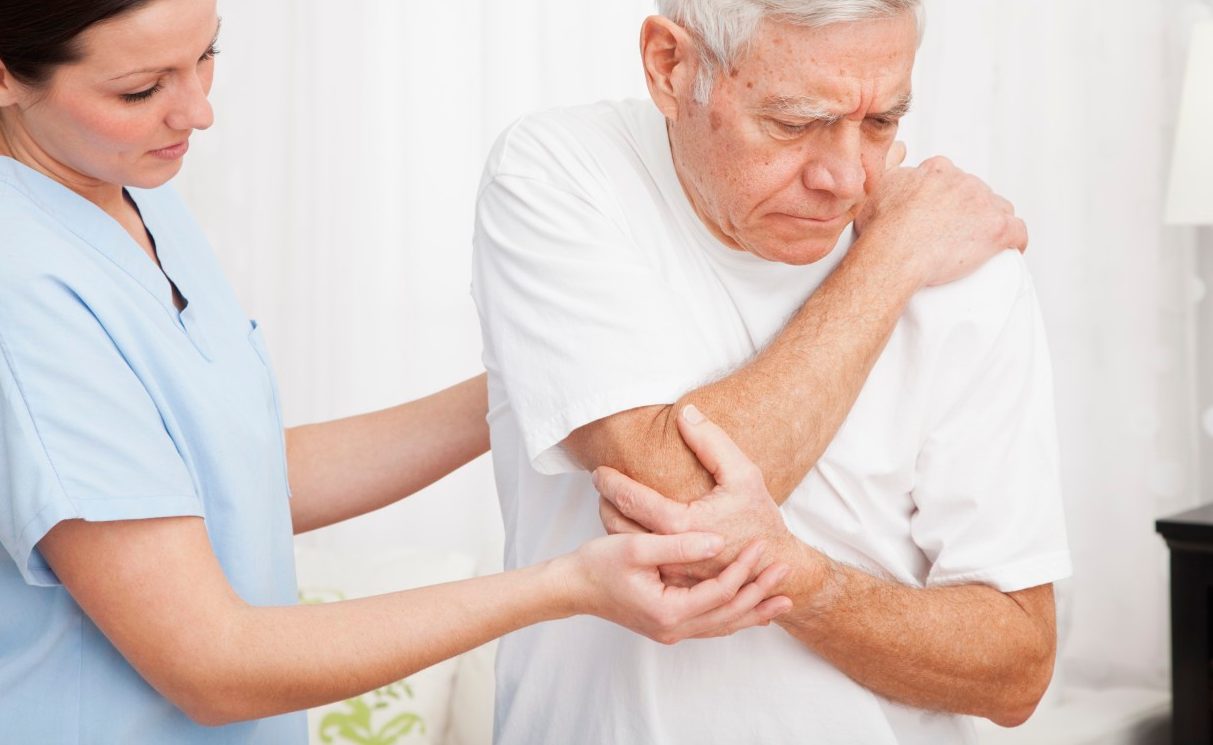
<point>724,28</point>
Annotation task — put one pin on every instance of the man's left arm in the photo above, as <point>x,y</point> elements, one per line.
<point>976,634</point>
<point>966,649</point>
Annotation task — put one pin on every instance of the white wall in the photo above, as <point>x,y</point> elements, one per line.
<point>338,187</point>
<point>339,181</point>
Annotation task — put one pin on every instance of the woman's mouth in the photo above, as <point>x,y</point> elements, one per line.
<point>172,152</point>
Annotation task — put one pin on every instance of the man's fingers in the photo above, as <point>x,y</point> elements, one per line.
<point>896,156</point>
<point>615,521</point>
<point>639,503</point>
<point>717,451</point>
<point>684,548</point>
<point>1017,234</point>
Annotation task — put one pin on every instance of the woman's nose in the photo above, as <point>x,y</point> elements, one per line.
<point>193,109</point>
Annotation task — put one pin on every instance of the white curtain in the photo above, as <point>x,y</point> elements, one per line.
<point>339,181</point>
<point>1066,107</point>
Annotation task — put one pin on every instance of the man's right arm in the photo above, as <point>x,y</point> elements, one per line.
<point>923,226</point>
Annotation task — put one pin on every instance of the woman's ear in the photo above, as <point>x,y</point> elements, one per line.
<point>9,88</point>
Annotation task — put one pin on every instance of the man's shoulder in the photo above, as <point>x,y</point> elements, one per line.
<point>575,143</point>
<point>976,310</point>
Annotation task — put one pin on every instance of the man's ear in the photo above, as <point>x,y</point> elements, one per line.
<point>671,63</point>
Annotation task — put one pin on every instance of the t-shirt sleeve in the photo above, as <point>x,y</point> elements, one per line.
<point>577,323</point>
<point>80,434</point>
<point>988,495</point>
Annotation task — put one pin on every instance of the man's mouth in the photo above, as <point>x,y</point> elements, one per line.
<point>818,220</point>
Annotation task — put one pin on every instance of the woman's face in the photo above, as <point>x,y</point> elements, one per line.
<point>123,114</point>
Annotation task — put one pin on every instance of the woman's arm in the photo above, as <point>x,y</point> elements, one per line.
<point>353,466</point>
<point>156,590</point>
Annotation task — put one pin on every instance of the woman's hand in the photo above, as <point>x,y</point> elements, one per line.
<point>617,578</point>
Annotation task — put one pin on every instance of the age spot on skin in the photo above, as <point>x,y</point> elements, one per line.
<point>714,121</point>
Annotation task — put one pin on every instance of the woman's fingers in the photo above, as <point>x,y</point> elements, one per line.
<point>761,615</point>
<point>615,521</point>
<point>721,590</point>
<point>717,451</point>
<point>639,503</point>
<point>747,599</point>
<point>648,550</point>
<point>639,600</point>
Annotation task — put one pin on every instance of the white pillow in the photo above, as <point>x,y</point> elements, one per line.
<point>471,715</point>
<point>410,712</point>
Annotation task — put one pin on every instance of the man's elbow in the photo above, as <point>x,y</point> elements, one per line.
<point>1031,679</point>
<point>644,444</point>
<point>1015,716</point>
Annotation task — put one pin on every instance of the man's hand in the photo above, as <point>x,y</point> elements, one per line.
<point>937,220</point>
<point>739,508</point>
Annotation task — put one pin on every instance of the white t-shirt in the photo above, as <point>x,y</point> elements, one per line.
<point>599,290</point>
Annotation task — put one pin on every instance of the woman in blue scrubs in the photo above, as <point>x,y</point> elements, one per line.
<point>147,587</point>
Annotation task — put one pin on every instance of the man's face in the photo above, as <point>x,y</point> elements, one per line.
<point>780,160</point>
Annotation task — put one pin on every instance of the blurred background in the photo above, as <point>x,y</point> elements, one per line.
<point>338,186</point>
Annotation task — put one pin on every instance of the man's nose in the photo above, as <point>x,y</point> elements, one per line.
<point>835,164</point>
<point>192,109</point>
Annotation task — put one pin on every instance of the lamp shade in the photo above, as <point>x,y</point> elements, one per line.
<point>1190,199</point>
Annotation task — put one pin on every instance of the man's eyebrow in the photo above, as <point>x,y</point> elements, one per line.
<point>804,107</point>
<point>900,109</point>
<point>166,70</point>
<point>798,107</point>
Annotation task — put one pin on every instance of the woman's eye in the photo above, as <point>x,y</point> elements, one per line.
<point>209,54</point>
<point>141,95</point>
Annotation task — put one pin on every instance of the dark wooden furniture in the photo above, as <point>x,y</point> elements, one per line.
<point>1190,538</point>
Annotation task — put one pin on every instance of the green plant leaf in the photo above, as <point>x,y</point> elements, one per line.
<point>398,728</point>
<point>352,726</point>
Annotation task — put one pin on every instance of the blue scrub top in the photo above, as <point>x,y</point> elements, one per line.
<point>113,406</point>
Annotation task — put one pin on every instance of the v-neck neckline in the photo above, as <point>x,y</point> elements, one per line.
<point>156,255</point>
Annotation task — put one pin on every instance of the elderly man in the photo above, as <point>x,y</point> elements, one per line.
<point>740,248</point>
